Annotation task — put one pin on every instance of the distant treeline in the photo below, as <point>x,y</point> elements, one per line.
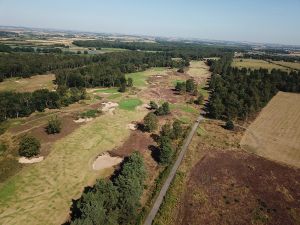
<point>115,201</point>
<point>26,64</point>
<point>174,49</point>
<point>237,93</point>
<point>285,58</point>
<point>8,49</point>
<point>14,105</point>
<point>110,69</point>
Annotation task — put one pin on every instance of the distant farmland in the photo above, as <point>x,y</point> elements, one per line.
<point>256,64</point>
<point>275,134</point>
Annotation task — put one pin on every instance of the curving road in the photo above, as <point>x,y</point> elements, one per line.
<point>168,181</point>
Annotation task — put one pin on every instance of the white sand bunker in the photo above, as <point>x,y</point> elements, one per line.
<point>109,107</point>
<point>132,126</point>
<point>25,160</point>
<point>105,161</point>
<point>83,120</point>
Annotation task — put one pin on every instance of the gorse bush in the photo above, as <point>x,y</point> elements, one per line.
<point>29,146</point>
<point>54,125</point>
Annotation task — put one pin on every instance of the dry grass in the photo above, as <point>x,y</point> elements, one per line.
<point>199,70</point>
<point>293,65</point>
<point>256,64</point>
<point>275,134</point>
<point>42,193</point>
<point>28,84</point>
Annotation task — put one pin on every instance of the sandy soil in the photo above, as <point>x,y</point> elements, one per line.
<point>105,161</point>
<point>25,160</point>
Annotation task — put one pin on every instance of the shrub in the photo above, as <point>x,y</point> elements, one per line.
<point>177,129</point>
<point>153,105</point>
<point>229,125</point>
<point>199,100</point>
<point>29,146</point>
<point>163,110</point>
<point>150,122</point>
<point>54,125</point>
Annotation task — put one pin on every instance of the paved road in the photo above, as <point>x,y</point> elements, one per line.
<point>167,183</point>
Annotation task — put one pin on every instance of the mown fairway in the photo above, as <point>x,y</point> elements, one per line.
<point>275,134</point>
<point>42,193</point>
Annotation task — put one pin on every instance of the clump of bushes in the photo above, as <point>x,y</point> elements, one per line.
<point>54,125</point>
<point>164,109</point>
<point>29,146</point>
<point>150,122</point>
<point>229,125</point>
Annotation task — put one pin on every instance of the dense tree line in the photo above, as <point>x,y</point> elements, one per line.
<point>14,105</point>
<point>27,64</point>
<point>173,49</point>
<point>115,201</point>
<point>285,58</point>
<point>237,93</point>
<point>111,67</point>
<point>8,49</point>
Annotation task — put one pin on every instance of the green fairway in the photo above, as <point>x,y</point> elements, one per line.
<point>108,90</point>
<point>139,78</point>
<point>130,104</point>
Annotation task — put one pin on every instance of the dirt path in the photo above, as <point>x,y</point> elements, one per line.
<point>168,181</point>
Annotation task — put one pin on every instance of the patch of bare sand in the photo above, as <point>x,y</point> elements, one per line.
<point>109,107</point>
<point>105,161</point>
<point>25,160</point>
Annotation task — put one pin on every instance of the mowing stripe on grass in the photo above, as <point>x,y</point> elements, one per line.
<point>130,104</point>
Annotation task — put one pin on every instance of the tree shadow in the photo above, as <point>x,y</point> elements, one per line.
<point>155,137</point>
<point>154,152</point>
<point>141,127</point>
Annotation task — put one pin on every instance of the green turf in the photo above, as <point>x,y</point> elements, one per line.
<point>185,108</point>
<point>129,104</point>
<point>114,96</point>
<point>139,79</point>
<point>108,90</point>
<point>7,190</point>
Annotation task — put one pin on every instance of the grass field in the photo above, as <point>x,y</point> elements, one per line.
<point>293,65</point>
<point>28,84</point>
<point>42,193</point>
<point>256,64</point>
<point>275,134</point>
<point>139,78</point>
<point>130,104</point>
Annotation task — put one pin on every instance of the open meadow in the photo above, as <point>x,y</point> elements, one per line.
<point>275,134</point>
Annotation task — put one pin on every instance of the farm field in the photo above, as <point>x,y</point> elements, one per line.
<point>275,133</point>
<point>256,64</point>
<point>28,84</point>
<point>219,183</point>
<point>41,193</point>
<point>293,65</point>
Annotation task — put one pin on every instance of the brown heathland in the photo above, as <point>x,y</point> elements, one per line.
<point>275,134</point>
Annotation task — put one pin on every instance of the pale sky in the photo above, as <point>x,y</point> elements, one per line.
<point>269,21</point>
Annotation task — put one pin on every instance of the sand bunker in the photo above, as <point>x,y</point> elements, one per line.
<point>105,161</point>
<point>25,160</point>
<point>83,120</point>
<point>109,107</point>
<point>132,126</point>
